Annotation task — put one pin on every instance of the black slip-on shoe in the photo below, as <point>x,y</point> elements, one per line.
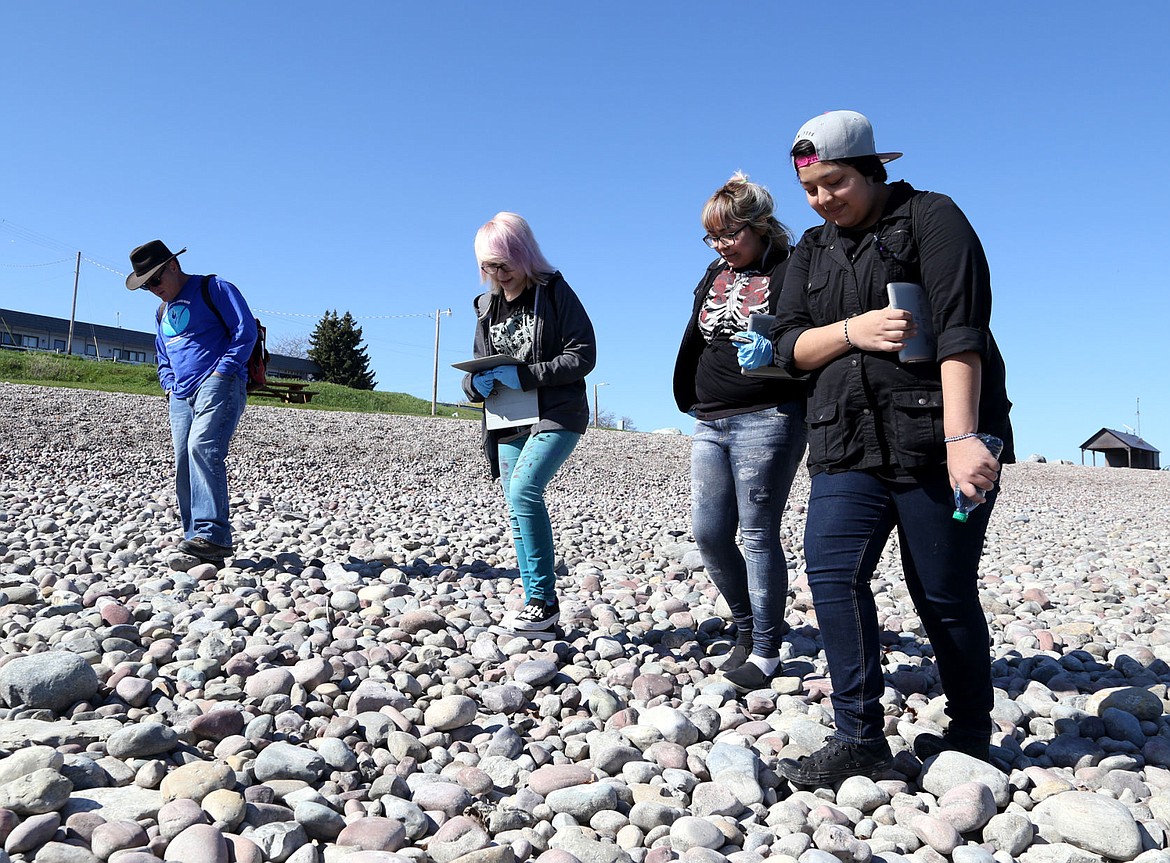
<point>834,761</point>
<point>734,658</point>
<point>750,677</point>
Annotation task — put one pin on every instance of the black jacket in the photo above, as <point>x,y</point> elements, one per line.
<point>866,409</point>
<point>565,351</point>
<point>693,344</point>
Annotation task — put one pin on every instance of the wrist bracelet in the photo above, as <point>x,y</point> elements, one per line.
<point>958,437</point>
<point>847,340</point>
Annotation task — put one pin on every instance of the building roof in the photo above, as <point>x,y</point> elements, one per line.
<point>13,320</point>
<point>1112,439</point>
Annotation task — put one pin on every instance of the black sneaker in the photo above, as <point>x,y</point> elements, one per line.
<point>736,657</point>
<point>749,677</point>
<point>834,761</point>
<point>929,745</point>
<point>536,616</point>
<point>204,549</point>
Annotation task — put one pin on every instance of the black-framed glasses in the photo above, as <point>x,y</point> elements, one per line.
<point>156,280</point>
<point>723,239</point>
<point>492,269</point>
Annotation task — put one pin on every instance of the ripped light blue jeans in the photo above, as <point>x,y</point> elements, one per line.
<point>741,470</point>
<point>526,466</point>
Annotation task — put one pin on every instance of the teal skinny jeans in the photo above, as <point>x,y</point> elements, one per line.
<point>526,466</point>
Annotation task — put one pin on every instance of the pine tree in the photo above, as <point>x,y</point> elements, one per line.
<point>336,347</point>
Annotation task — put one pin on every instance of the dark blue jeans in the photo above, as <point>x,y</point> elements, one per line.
<point>741,470</point>
<point>850,517</point>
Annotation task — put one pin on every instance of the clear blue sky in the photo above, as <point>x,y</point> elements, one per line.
<point>342,156</point>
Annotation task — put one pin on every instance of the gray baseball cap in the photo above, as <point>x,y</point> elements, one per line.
<point>839,135</point>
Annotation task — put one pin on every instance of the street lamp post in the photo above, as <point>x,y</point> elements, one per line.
<point>596,413</point>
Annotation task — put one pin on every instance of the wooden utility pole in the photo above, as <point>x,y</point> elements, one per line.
<point>435,375</point>
<point>73,311</point>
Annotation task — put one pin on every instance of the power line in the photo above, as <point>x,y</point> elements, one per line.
<point>46,264</point>
<point>28,235</point>
<point>355,316</point>
<point>102,266</point>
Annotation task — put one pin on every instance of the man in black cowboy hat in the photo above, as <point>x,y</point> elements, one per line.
<point>204,336</point>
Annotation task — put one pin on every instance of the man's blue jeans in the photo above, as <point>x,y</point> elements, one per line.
<point>201,429</point>
<point>850,517</point>
<point>741,470</point>
<point>526,466</point>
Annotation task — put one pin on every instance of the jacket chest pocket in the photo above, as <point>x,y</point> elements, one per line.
<point>918,423</point>
<point>823,300</point>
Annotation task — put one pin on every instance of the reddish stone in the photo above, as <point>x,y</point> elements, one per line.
<point>373,834</point>
<point>218,724</point>
<point>115,615</point>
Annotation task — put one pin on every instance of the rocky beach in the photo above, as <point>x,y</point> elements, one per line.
<point>337,692</point>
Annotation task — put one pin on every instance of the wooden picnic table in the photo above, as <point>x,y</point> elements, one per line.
<point>289,392</point>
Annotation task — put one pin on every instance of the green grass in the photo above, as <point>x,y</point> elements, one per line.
<point>78,373</point>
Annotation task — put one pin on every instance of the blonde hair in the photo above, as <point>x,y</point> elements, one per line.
<point>739,201</point>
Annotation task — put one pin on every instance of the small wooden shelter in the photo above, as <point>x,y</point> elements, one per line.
<point>1121,450</point>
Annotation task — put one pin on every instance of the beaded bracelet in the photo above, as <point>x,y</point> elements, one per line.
<point>958,437</point>
<point>847,341</point>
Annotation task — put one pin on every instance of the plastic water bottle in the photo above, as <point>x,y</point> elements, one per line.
<point>964,505</point>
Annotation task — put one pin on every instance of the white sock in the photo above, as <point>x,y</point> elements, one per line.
<point>766,664</point>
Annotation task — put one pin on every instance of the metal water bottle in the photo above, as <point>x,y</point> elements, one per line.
<point>964,505</point>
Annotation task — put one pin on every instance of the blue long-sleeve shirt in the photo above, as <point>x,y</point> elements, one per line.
<point>192,342</point>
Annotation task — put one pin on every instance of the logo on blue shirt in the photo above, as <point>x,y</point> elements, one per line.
<point>176,319</point>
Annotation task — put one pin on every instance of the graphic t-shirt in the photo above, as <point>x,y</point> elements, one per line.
<point>513,327</point>
<point>732,299</point>
<point>721,389</point>
<point>192,341</point>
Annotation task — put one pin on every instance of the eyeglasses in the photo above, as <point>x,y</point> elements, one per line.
<point>492,269</point>
<point>156,280</point>
<point>723,239</point>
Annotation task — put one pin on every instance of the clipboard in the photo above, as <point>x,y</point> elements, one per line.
<point>481,363</point>
<point>505,407</point>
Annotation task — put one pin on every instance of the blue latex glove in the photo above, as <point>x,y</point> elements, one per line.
<point>484,382</point>
<point>754,351</point>
<point>508,376</point>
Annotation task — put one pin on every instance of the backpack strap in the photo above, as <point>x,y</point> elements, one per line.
<point>207,299</point>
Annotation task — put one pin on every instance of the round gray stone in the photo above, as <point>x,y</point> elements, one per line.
<point>52,680</point>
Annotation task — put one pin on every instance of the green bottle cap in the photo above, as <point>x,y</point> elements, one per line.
<point>959,516</point>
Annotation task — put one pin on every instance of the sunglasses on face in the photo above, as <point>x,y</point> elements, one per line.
<point>156,280</point>
<point>493,269</point>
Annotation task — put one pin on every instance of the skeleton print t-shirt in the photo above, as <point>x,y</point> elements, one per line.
<point>721,389</point>
<point>513,327</point>
<point>732,299</point>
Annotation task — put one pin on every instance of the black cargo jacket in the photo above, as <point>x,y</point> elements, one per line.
<point>867,410</point>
